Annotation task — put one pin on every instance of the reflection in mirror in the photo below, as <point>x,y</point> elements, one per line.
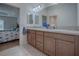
<point>1,24</point>
<point>53,20</point>
<point>30,19</point>
<point>62,16</point>
<point>44,19</point>
<point>36,19</point>
<point>9,17</point>
<point>8,23</point>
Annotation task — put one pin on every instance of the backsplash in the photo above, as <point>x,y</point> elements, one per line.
<point>68,27</point>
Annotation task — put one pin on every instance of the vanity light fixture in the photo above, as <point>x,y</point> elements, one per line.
<point>36,9</point>
<point>54,3</point>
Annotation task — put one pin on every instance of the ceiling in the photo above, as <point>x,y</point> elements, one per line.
<point>15,4</point>
<point>31,5</point>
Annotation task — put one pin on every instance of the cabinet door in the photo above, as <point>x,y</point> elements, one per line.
<point>39,43</point>
<point>64,48</point>
<point>30,19</point>
<point>49,46</point>
<point>31,38</point>
<point>39,40</point>
<point>39,46</point>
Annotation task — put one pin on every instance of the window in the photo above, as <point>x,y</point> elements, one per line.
<point>44,19</point>
<point>1,25</point>
<point>36,19</point>
<point>30,19</point>
<point>33,20</point>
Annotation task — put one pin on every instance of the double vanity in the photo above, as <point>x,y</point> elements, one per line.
<point>54,42</point>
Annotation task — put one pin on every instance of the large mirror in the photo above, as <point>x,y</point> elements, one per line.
<point>30,19</point>
<point>36,19</point>
<point>9,17</point>
<point>61,16</point>
<point>8,23</point>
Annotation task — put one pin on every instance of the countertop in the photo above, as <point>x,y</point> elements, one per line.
<point>71,32</point>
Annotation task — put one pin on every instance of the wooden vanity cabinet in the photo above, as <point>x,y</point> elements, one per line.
<point>64,48</point>
<point>64,45</point>
<point>31,37</point>
<point>76,45</point>
<point>54,44</point>
<point>49,46</point>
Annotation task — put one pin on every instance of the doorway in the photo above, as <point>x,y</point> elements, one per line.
<point>53,20</point>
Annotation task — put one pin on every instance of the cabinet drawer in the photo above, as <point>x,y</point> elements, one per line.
<point>39,38</point>
<point>65,37</point>
<point>39,46</point>
<point>33,42</point>
<point>33,35</point>
<point>64,48</point>
<point>48,34</point>
<point>39,33</point>
<point>49,46</point>
<point>31,31</point>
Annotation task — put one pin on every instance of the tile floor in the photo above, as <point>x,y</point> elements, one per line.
<point>14,49</point>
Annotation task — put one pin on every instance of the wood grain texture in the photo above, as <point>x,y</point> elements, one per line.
<point>54,43</point>
<point>64,48</point>
<point>65,37</point>
<point>31,37</point>
<point>76,45</point>
<point>49,46</point>
<point>39,40</point>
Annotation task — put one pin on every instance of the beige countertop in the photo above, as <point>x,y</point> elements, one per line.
<point>71,32</point>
